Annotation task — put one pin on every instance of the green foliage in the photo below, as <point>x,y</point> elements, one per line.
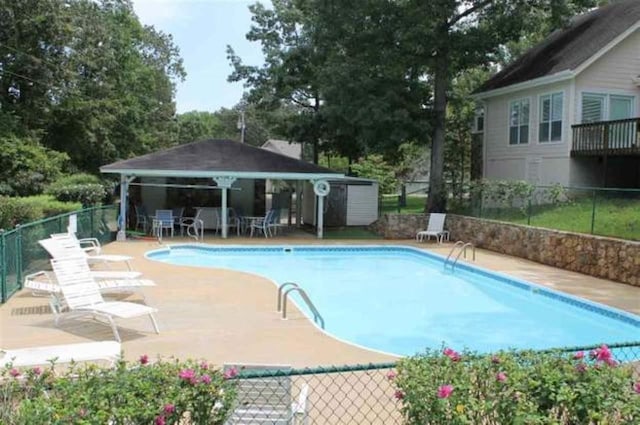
<point>167,392</point>
<point>517,388</point>
<point>375,167</point>
<point>84,188</point>
<point>26,167</point>
<point>25,210</point>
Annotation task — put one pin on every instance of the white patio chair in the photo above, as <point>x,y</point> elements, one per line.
<point>81,295</point>
<point>63,248</point>
<point>89,245</point>
<point>194,226</point>
<point>163,221</point>
<point>267,399</point>
<point>141,218</point>
<point>108,351</point>
<point>434,228</point>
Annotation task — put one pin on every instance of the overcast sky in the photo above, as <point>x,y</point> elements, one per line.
<point>202,29</point>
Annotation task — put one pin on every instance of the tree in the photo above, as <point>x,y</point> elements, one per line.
<point>198,125</point>
<point>464,34</point>
<point>289,76</point>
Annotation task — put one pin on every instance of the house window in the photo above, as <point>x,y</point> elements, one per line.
<point>478,120</point>
<point>551,106</point>
<point>601,107</point>
<point>519,122</point>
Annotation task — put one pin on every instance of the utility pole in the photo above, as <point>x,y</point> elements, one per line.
<point>241,125</point>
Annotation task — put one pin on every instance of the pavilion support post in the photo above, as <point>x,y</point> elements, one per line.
<point>225,184</point>
<point>298,203</point>
<point>321,188</point>
<point>124,193</point>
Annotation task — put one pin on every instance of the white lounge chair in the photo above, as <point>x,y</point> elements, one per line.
<point>434,228</point>
<point>108,351</point>
<point>81,295</point>
<point>43,283</point>
<point>89,245</point>
<point>65,248</point>
<point>267,399</point>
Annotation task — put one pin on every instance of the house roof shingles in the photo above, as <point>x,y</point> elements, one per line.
<point>223,156</point>
<point>568,48</point>
<point>292,150</point>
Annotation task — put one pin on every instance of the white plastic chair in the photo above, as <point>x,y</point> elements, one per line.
<point>108,351</point>
<point>267,399</point>
<point>64,248</point>
<point>194,226</point>
<point>81,295</point>
<point>434,228</point>
<point>264,224</point>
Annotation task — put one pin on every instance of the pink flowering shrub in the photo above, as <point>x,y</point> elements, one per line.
<point>164,392</point>
<point>456,388</point>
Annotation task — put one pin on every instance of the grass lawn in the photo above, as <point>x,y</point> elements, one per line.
<point>415,204</point>
<point>613,217</point>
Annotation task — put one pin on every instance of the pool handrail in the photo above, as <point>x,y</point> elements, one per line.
<point>463,250</point>
<point>303,294</point>
<point>280,289</point>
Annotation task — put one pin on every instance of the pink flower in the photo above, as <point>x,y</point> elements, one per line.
<point>593,354</point>
<point>160,420</point>
<point>14,372</point>
<point>144,359</point>
<point>36,371</point>
<point>581,367</point>
<point>603,353</point>
<point>399,394</point>
<point>205,379</point>
<point>204,365</point>
<point>230,373</point>
<point>452,354</point>
<point>445,391</point>
<point>579,355</point>
<point>391,375</point>
<point>636,387</point>
<point>169,409</point>
<point>501,377</point>
<point>495,360</point>
<point>188,375</point>
<point>611,362</point>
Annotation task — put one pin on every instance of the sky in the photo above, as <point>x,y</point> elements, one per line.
<point>202,29</point>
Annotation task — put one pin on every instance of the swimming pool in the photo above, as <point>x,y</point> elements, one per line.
<point>400,300</point>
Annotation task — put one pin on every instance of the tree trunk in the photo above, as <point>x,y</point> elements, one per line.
<point>436,201</point>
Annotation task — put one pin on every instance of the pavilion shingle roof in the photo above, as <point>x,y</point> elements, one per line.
<point>217,156</point>
<point>568,48</point>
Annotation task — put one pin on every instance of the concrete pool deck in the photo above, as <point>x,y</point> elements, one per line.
<point>229,317</point>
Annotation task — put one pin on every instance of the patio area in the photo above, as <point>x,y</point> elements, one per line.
<point>225,316</point>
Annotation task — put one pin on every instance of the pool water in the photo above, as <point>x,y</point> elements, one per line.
<point>400,300</point>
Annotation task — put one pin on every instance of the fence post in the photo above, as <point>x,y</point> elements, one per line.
<point>18,248</point>
<point>91,223</point>
<point>593,211</point>
<point>529,211</point>
<point>3,270</point>
<point>60,224</point>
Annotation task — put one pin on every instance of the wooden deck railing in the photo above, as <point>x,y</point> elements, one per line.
<point>618,137</point>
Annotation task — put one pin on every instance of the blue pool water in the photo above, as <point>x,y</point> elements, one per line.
<point>400,300</point>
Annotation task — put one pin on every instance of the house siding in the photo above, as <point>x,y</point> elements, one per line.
<point>362,204</point>
<point>539,163</point>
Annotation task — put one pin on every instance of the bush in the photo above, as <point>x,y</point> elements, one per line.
<point>25,210</point>
<point>84,188</point>
<point>517,388</point>
<point>166,392</point>
<point>26,167</point>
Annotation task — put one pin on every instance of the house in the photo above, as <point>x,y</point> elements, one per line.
<point>567,111</point>
<point>283,147</point>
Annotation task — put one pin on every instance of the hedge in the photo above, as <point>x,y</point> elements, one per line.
<point>15,211</point>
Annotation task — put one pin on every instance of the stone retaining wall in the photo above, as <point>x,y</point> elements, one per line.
<point>608,258</point>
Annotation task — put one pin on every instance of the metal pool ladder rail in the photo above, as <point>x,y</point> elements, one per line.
<point>282,301</point>
<point>462,246</point>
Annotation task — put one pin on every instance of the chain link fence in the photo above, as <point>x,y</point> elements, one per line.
<point>361,394</point>
<point>20,253</point>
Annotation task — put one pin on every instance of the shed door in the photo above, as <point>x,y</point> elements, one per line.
<point>335,214</point>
